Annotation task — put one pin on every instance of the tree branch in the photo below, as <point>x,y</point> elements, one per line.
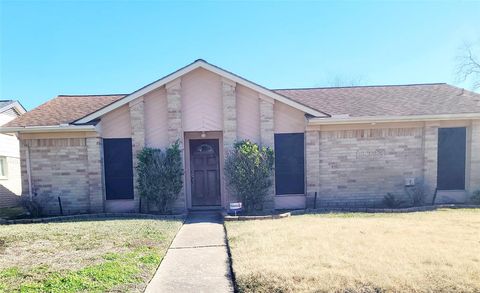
<point>468,67</point>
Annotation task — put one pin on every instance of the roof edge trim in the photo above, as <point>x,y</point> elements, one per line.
<point>50,128</point>
<point>381,119</point>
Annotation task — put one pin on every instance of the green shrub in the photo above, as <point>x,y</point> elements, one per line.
<point>160,175</point>
<point>33,206</point>
<point>475,197</point>
<point>248,171</point>
<point>391,201</point>
<point>417,195</point>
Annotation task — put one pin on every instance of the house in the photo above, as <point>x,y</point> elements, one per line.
<point>10,181</point>
<point>350,145</point>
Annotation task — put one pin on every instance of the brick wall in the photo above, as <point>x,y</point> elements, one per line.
<point>229,104</point>
<point>474,180</point>
<point>95,174</point>
<point>267,139</point>
<point>312,164</point>
<point>69,168</point>
<point>430,159</point>
<point>137,123</point>
<point>358,167</point>
<point>175,130</point>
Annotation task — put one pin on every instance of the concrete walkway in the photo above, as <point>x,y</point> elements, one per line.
<point>197,260</point>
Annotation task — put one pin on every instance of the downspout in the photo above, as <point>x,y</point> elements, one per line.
<point>29,173</point>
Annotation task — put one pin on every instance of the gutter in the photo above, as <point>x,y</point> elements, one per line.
<point>50,128</point>
<point>386,119</point>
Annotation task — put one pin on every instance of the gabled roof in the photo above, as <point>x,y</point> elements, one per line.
<point>388,100</point>
<point>205,65</point>
<point>416,101</point>
<point>63,110</point>
<point>9,104</point>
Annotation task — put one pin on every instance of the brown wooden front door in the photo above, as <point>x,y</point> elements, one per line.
<point>205,172</point>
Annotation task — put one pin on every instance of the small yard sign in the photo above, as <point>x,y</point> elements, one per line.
<point>235,206</point>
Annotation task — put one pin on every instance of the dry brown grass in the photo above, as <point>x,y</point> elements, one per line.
<point>41,254</point>
<point>418,252</point>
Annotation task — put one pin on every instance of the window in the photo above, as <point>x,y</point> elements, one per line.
<point>3,168</point>
<point>117,154</point>
<point>452,144</point>
<point>289,163</point>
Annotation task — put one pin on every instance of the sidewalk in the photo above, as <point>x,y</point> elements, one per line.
<point>197,260</point>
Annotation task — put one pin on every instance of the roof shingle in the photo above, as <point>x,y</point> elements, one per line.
<point>360,101</point>
<point>398,100</point>
<point>63,110</point>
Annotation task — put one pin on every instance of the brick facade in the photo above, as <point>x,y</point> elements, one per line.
<point>267,140</point>
<point>358,167</point>
<point>60,168</point>
<point>474,178</point>
<point>138,141</point>
<point>229,115</point>
<point>175,130</point>
<point>266,123</point>
<point>94,174</point>
<point>312,163</point>
<point>430,145</point>
<point>229,124</point>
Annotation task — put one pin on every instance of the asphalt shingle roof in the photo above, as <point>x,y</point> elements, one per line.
<point>63,110</point>
<point>397,100</point>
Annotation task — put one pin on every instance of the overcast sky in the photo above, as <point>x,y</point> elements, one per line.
<point>93,47</point>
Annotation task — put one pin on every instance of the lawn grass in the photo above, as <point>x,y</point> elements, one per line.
<point>418,252</point>
<point>112,255</point>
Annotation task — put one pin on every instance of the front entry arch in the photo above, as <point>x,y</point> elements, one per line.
<point>205,172</point>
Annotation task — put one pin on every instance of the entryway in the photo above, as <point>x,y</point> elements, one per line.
<point>205,173</point>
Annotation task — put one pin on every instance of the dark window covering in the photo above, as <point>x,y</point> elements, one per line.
<point>117,156</point>
<point>452,144</point>
<point>289,163</point>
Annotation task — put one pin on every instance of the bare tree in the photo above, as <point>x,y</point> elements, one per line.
<point>468,65</point>
<point>343,81</point>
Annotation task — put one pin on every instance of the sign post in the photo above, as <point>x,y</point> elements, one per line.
<point>235,206</point>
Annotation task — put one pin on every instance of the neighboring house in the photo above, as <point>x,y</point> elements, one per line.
<point>350,145</point>
<point>10,181</point>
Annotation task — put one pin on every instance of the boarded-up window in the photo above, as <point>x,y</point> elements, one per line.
<point>117,153</point>
<point>289,163</point>
<point>451,158</point>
